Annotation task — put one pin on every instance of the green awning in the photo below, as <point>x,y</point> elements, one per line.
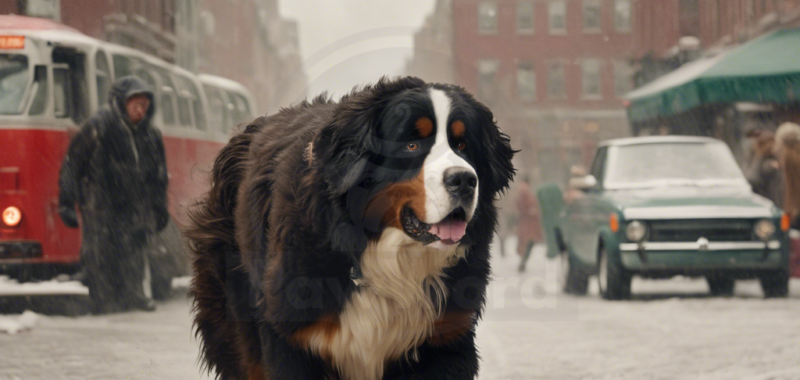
<point>765,70</point>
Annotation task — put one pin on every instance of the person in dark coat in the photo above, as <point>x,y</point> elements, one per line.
<point>115,171</point>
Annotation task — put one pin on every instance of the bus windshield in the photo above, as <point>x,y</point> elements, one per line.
<point>14,78</point>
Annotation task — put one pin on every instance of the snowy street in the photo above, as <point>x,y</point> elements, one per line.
<point>671,330</point>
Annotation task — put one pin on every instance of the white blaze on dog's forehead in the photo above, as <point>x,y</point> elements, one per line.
<point>440,158</point>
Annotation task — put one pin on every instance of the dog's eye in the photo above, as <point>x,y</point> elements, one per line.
<point>461,145</point>
<point>412,146</point>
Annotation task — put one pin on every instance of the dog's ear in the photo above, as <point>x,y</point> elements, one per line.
<point>499,153</point>
<point>340,151</point>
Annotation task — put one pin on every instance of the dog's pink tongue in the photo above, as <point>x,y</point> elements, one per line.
<point>449,229</point>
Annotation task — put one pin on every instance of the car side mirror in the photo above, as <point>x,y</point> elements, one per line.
<point>583,183</point>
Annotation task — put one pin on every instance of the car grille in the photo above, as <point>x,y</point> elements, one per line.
<point>692,230</point>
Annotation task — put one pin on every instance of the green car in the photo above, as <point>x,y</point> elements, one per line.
<point>658,207</point>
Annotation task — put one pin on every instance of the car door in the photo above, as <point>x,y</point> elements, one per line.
<point>586,214</point>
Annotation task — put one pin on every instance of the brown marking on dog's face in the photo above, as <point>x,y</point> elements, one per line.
<point>451,326</point>
<point>319,335</point>
<point>458,129</point>
<point>387,205</point>
<point>424,127</point>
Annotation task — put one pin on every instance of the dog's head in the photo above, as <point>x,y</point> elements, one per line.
<point>427,159</point>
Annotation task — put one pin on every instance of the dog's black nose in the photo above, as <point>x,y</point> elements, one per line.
<point>460,182</point>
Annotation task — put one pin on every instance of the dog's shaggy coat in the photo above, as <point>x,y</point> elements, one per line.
<point>350,240</point>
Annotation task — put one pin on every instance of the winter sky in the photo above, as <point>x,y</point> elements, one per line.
<point>345,43</point>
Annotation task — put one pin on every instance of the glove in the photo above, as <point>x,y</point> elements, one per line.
<point>69,217</point>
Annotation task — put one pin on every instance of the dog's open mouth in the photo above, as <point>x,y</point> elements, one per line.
<point>449,231</point>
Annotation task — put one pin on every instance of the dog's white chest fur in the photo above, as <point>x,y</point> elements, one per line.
<point>391,316</point>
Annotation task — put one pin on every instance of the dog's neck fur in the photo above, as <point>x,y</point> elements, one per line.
<point>394,314</point>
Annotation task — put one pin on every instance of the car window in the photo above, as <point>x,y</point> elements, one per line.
<point>598,166</point>
<point>653,165</point>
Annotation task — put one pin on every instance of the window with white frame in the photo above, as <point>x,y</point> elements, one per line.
<point>623,10</point>
<point>623,78</point>
<point>526,81</point>
<point>592,11</point>
<point>525,16</point>
<point>487,17</point>
<point>487,78</point>
<point>592,83</point>
<point>556,85</point>
<point>557,15</point>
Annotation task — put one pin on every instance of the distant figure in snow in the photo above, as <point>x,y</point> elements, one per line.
<point>529,229</point>
<point>115,171</point>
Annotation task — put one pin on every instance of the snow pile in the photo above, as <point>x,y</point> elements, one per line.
<point>9,287</point>
<point>14,324</point>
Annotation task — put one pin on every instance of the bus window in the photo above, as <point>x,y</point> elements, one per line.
<point>61,98</point>
<point>103,78</point>
<point>189,102</point>
<point>217,109</point>
<point>123,66</point>
<point>39,103</point>
<point>71,83</point>
<point>242,108</point>
<point>14,77</point>
<point>167,95</point>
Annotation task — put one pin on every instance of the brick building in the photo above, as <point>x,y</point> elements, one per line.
<point>245,40</point>
<point>553,72</point>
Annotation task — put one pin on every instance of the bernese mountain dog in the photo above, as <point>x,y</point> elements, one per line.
<point>350,240</point>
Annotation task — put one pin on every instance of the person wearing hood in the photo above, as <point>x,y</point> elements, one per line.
<point>115,172</point>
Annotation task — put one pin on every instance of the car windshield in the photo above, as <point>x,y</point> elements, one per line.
<point>683,164</point>
<point>14,78</point>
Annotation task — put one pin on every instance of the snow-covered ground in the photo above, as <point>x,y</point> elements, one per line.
<point>670,330</point>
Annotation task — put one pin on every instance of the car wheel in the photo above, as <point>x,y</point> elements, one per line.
<point>614,281</point>
<point>570,278</point>
<point>721,286</point>
<point>775,285</point>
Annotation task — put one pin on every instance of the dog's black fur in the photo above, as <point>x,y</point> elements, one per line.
<point>283,226</point>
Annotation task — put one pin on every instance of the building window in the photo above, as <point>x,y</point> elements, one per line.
<point>487,79</point>
<point>622,15</point>
<point>591,78</point>
<point>487,17</point>
<point>556,87</point>
<point>591,16</point>
<point>623,78</point>
<point>557,11</point>
<point>526,81</point>
<point>525,16</point>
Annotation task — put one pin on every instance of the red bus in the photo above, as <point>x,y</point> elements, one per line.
<point>52,78</point>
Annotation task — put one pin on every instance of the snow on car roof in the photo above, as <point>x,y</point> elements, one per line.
<point>659,140</point>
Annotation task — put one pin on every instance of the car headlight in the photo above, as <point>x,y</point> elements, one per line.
<point>636,231</point>
<point>764,229</point>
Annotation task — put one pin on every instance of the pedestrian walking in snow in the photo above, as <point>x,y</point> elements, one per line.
<point>529,229</point>
<point>115,171</point>
<point>788,151</point>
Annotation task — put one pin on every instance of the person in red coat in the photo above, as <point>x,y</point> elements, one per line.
<point>529,228</point>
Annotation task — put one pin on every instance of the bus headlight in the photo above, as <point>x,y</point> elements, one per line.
<point>764,229</point>
<point>12,216</point>
<point>636,231</point>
